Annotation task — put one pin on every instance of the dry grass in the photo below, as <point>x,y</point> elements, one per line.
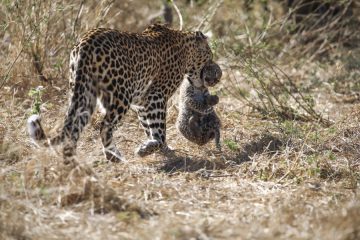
<point>275,179</point>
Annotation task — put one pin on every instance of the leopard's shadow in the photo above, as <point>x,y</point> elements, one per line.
<point>266,143</point>
<point>189,164</point>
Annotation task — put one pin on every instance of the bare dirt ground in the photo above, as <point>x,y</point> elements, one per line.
<point>274,179</point>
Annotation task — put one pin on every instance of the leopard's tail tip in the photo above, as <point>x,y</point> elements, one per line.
<point>34,128</point>
<point>34,117</point>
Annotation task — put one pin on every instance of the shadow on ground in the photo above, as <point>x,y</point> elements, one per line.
<point>266,143</point>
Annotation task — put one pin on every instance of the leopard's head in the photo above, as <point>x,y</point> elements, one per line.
<point>199,56</point>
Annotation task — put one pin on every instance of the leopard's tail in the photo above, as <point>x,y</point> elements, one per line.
<point>37,133</point>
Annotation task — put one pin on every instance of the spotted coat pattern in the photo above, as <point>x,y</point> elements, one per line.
<point>123,70</point>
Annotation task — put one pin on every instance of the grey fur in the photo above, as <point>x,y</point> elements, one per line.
<point>197,120</point>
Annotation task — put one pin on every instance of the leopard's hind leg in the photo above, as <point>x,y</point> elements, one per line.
<point>82,106</point>
<point>116,105</point>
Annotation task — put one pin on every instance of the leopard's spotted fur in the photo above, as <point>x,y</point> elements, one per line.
<point>123,70</point>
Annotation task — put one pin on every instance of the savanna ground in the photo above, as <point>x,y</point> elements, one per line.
<point>290,111</point>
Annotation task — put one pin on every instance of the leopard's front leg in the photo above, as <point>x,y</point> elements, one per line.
<point>153,119</point>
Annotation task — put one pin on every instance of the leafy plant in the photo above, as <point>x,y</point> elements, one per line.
<point>214,45</point>
<point>35,94</point>
<point>232,145</point>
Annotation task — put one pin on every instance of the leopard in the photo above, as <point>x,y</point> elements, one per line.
<point>197,120</point>
<point>127,70</point>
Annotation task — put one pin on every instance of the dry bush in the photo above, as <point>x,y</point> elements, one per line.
<point>41,35</point>
<point>42,41</point>
<point>254,55</point>
<point>318,28</point>
<point>269,90</point>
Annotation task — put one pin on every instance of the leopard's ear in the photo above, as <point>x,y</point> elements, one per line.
<point>199,36</point>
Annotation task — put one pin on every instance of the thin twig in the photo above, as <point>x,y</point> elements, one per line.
<point>210,14</point>
<point>77,17</point>
<point>178,13</point>
<point>6,76</point>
